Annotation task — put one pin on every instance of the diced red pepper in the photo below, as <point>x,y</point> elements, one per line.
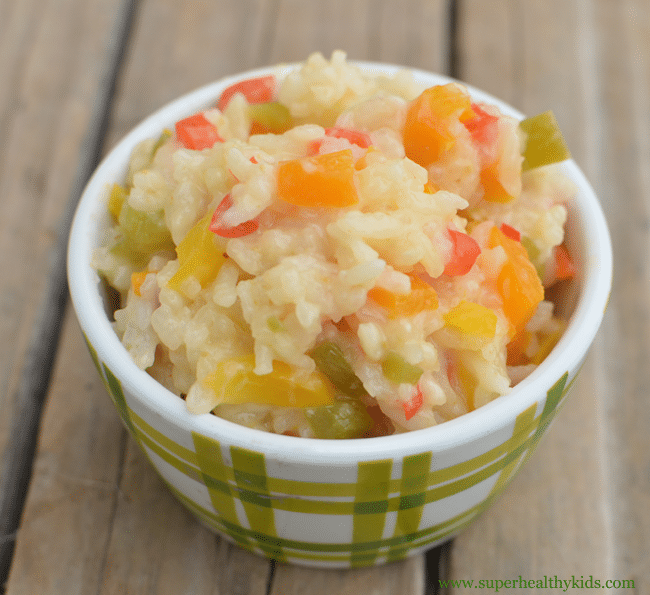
<point>197,132</point>
<point>238,231</point>
<point>412,406</point>
<point>355,137</point>
<point>256,90</point>
<point>564,267</point>
<point>510,232</point>
<point>483,126</point>
<point>464,253</point>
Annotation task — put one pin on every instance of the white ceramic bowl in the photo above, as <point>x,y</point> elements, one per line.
<point>335,503</point>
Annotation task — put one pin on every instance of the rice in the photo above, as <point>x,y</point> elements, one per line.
<point>385,307</point>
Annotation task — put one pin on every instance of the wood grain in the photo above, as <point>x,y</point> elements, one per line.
<point>92,520</point>
<point>51,113</point>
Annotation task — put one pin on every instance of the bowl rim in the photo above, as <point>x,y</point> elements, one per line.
<point>595,281</point>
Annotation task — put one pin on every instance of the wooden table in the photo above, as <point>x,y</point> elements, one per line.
<point>81,511</point>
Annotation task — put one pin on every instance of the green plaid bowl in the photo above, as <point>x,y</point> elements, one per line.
<point>335,503</point>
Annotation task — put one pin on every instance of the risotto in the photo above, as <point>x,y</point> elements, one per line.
<point>330,253</point>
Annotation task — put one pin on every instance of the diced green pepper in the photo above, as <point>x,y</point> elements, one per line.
<point>533,254</point>
<point>270,117</point>
<point>399,371</point>
<point>274,324</point>
<point>347,418</point>
<point>544,141</point>
<point>146,232</point>
<point>331,361</point>
<point>162,139</point>
<point>142,234</point>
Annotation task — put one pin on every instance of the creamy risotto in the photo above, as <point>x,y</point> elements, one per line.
<point>336,254</point>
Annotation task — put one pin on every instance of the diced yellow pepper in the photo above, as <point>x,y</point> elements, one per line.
<point>472,319</point>
<point>116,200</point>
<point>235,382</point>
<point>199,255</point>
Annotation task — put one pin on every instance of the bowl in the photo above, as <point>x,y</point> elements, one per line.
<point>329,503</point>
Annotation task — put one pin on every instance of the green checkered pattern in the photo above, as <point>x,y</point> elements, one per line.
<point>386,505</point>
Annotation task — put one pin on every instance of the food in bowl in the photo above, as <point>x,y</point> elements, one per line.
<point>332,253</point>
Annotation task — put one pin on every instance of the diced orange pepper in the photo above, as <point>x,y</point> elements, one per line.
<point>430,188</point>
<point>422,297</point>
<point>427,134</point>
<point>518,283</point>
<point>494,191</point>
<point>517,349</point>
<point>319,181</point>
<point>362,162</point>
<point>137,279</point>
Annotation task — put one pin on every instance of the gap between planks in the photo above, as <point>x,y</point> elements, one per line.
<point>35,376</point>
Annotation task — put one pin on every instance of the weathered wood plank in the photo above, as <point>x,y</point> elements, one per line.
<point>67,520</point>
<point>623,79</point>
<point>47,103</point>
<point>555,518</point>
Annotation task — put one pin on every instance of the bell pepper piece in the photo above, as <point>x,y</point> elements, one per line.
<point>511,232</point>
<point>319,181</point>
<point>421,297</point>
<point>465,251</point>
<point>427,134</point>
<point>144,233</point>
<point>256,90</point>
<point>116,199</point>
<point>483,126</point>
<point>234,381</point>
<point>243,229</point>
<point>331,361</point>
<point>472,319</point>
<point>518,283</point>
<point>462,380</point>
<point>137,279</point>
<point>544,141</point>
<point>493,189</point>
<point>345,419</point>
<point>269,117</point>
<point>413,405</point>
<point>197,132</point>
<point>355,137</point>
<point>199,256</point>
<point>399,371</point>
<point>165,135</point>
<point>564,266</point>
<point>516,349</point>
